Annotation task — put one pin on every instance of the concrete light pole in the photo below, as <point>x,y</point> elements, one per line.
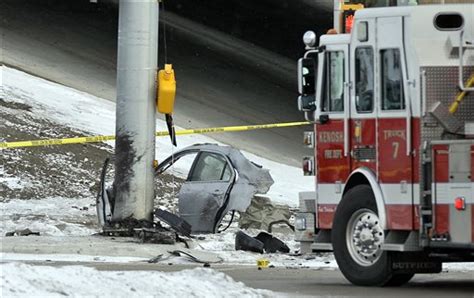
<point>136,109</point>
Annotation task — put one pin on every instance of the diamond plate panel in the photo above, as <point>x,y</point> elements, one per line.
<point>442,86</point>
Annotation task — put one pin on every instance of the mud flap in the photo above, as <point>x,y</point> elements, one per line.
<point>414,263</point>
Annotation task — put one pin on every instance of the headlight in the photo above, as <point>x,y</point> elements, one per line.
<point>300,223</point>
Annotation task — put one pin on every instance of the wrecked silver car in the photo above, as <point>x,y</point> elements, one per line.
<point>220,180</point>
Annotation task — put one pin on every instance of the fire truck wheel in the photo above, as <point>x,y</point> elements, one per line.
<point>357,238</point>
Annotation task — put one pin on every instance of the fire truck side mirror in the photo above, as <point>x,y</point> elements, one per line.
<point>307,103</point>
<point>306,76</point>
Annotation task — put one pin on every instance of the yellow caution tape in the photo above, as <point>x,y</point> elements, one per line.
<point>97,139</point>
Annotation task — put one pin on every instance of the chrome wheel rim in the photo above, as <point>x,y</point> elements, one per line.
<point>364,237</point>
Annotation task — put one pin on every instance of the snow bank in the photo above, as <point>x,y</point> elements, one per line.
<point>24,257</point>
<point>20,280</point>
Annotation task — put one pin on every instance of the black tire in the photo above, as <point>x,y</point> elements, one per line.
<point>379,272</point>
<point>399,279</point>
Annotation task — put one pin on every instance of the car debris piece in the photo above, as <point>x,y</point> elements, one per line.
<point>221,179</point>
<point>159,258</point>
<point>272,244</point>
<point>153,235</point>
<point>248,243</point>
<point>155,259</point>
<point>198,256</point>
<point>286,222</point>
<point>104,200</point>
<point>263,242</point>
<point>262,214</point>
<point>175,222</point>
<point>126,227</point>
<point>24,232</point>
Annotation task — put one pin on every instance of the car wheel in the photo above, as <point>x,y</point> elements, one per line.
<point>357,238</point>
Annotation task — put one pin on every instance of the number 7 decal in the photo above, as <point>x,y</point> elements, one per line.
<point>395,146</point>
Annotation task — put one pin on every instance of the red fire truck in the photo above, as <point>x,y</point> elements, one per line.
<point>392,104</point>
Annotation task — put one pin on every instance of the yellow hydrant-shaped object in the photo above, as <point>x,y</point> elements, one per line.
<point>166,90</point>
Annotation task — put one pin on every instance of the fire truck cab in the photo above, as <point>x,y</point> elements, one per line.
<point>392,104</point>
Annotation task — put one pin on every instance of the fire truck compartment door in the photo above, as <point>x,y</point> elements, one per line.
<point>453,168</point>
<point>395,160</point>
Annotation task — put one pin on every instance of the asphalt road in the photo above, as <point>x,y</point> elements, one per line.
<point>221,80</point>
<point>317,283</point>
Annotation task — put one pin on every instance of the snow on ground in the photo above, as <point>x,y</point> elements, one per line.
<point>20,257</point>
<point>96,115</point>
<point>21,280</point>
<point>51,216</point>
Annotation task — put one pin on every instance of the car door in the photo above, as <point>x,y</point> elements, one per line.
<point>206,191</point>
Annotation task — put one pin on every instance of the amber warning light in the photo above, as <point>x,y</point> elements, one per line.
<point>460,203</point>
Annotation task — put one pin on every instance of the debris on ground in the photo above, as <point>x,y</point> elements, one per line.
<point>248,243</point>
<point>156,259</point>
<point>263,242</point>
<point>24,232</point>
<point>262,214</point>
<point>153,235</point>
<point>198,256</point>
<point>272,244</point>
<point>175,222</point>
